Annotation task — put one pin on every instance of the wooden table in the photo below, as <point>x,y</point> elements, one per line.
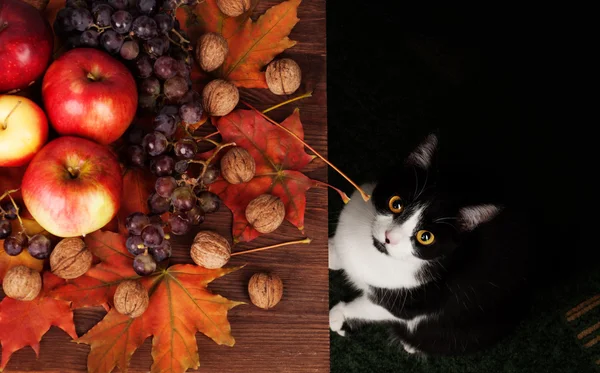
<point>293,336</point>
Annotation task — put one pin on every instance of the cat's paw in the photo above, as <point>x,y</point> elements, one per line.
<point>337,318</point>
<point>334,260</point>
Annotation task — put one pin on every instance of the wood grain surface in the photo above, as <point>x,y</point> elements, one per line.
<point>293,336</point>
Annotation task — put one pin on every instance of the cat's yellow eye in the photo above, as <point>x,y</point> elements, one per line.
<point>395,205</point>
<point>425,237</point>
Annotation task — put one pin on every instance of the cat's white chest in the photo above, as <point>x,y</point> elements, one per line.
<point>352,250</point>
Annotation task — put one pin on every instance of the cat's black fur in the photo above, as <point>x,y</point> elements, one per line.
<point>477,281</point>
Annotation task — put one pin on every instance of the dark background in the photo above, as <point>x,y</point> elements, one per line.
<point>509,90</point>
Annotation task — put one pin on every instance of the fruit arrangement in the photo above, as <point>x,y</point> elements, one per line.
<point>130,135</point>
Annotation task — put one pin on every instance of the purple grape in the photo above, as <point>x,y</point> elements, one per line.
<point>133,245</point>
<point>144,264</point>
<point>208,201</point>
<point>121,21</point>
<point>153,235</point>
<point>147,102</point>
<point>102,15</point>
<point>162,166</point>
<point>191,112</point>
<point>186,148</point>
<point>165,186</point>
<point>81,19</point>
<point>180,224</point>
<point>97,4</point>
<point>76,4</point>
<point>155,143</point>
<point>118,4</point>
<point>130,50</point>
<point>157,204</point>
<point>182,69</point>
<point>211,174</point>
<point>182,166</point>
<point>14,245</point>
<point>135,222</point>
<point>150,86</point>
<point>5,228</point>
<point>164,67</point>
<point>190,96</point>
<point>62,23</point>
<point>10,212</point>
<point>170,110</point>
<point>171,4</point>
<point>146,6</point>
<point>175,88</point>
<point>136,155</point>
<point>183,199</point>
<point>111,41</point>
<point>143,66</point>
<point>162,252</point>
<point>156,47</point>
<point>135,134</point>
<point>165,124</point>
<point>39,246</point>
<point>164,23</point>
<point>144,28</point>
<point>196,215</point>
<point>89,38</point>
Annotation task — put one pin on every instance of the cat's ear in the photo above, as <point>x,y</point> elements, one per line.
<point>423,155</point>
<point>471,217</point>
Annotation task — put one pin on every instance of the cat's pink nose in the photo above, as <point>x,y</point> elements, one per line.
<point>388,238</point>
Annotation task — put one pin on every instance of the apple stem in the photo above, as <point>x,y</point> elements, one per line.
<point>91,77</point>
<point>304,241</point>
<point>73,172</point>
<point>5,123</point>
<point>305,95</point>
<point>364,195</point>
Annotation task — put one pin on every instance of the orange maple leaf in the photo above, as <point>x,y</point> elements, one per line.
<point>252,45</point>
<point>23,323</point>
<point>180,305</point>
<point>279,158</point>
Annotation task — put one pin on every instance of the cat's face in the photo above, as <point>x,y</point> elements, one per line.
<point>415,218</point>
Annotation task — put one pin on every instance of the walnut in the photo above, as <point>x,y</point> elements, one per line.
<point>131,298</point>
<point>211,50</point>
<point>283,76</point>
<point>22,283</point>
<point>233,8</point>
<point>265,290</point>
<point>237,166</point>
<point>220,97</point>
<point>210,250</point>
<point>265,213</point>
<point>70,258</point>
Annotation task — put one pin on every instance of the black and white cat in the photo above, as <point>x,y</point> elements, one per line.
<point>434,257</point>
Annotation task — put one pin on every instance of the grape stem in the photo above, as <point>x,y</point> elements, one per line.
<point>178,44</point>
<point>181,38</point>
<point>364,195</point>
<point>212,134</point>
<point>4,124</point>
<point>305,95</point>
<point>8,194</point>
<point>100,29</point>
<point>304,241</point>
<point>207,162</point>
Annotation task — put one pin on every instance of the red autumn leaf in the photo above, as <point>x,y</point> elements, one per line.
<point>24,323</point>
<point>138,184</point>
<point>252,45</point>
<point>97,286</point>
<point>279,158</point>
<point>180,305</point>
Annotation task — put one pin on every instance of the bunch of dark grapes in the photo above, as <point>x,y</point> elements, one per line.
<point>146,36</point>
<point>147,241</point>
<point>38,246</point>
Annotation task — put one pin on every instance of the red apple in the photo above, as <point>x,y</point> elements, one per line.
<point>23,130</point>
<point>90,94</point>
<point>26,44</point>
<point>72,186</point>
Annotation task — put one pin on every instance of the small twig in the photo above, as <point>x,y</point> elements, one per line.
<point>305,95</point>
<point>181,38</point>
<point>304,241</point>
<point>176,43</point>
<point>206,139</point>
<point>213,155</point>
<point>18,216</point>
<point>212,134</point>
<point>344,196</point>
<point>364,195</point>
<point>100,29</point>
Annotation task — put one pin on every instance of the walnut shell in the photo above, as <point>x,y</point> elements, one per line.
<point>237,166</point>
<point>220,97</point>
<point>210,250</point>
<point>265,290</point>
<point>70,258</point>
<point>283,76</point>
<point>265,213</point>
<point>131,298</point>
<point>22,283</point>
<point>211,50</point>
<point>233,8</point>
